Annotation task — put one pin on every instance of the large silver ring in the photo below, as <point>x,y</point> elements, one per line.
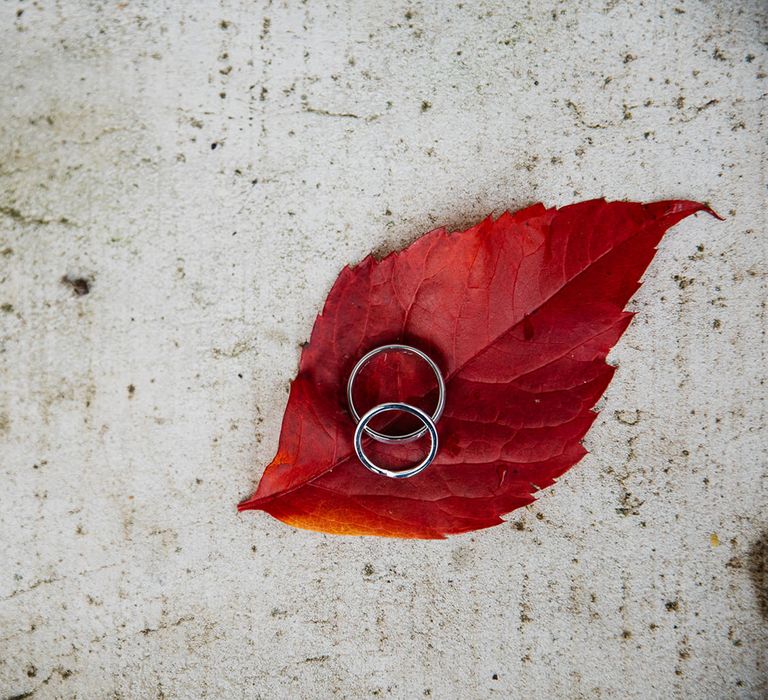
<point>429,426</point>
<point>416,434</point>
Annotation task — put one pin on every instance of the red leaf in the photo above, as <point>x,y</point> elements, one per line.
<point>519,313</point>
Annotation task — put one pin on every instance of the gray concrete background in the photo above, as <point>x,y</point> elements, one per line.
<point>203,171</point>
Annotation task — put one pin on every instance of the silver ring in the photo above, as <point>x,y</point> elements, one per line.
<point>407,408</point>
<point>416,434</point>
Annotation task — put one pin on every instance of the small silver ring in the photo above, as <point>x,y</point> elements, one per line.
<point>416,434</point>
<point>407,408</point>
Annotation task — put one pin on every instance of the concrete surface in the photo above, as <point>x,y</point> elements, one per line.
<point>180,183</point>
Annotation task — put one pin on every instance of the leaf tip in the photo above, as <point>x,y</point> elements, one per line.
<point>696,207</point>
<point>247,504</point>
<point>709,210</point>
<point>680,208</point>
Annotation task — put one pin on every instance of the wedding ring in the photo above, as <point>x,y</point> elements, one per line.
<point>416,434</point>
<point>429,426</point>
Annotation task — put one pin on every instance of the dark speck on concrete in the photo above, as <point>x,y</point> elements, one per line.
<point>758,572</point>
<point>426,106</point>
<point>131,391</point>
<point>79,285</point>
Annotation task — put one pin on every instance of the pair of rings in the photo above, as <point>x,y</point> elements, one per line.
<point>426,419</point>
